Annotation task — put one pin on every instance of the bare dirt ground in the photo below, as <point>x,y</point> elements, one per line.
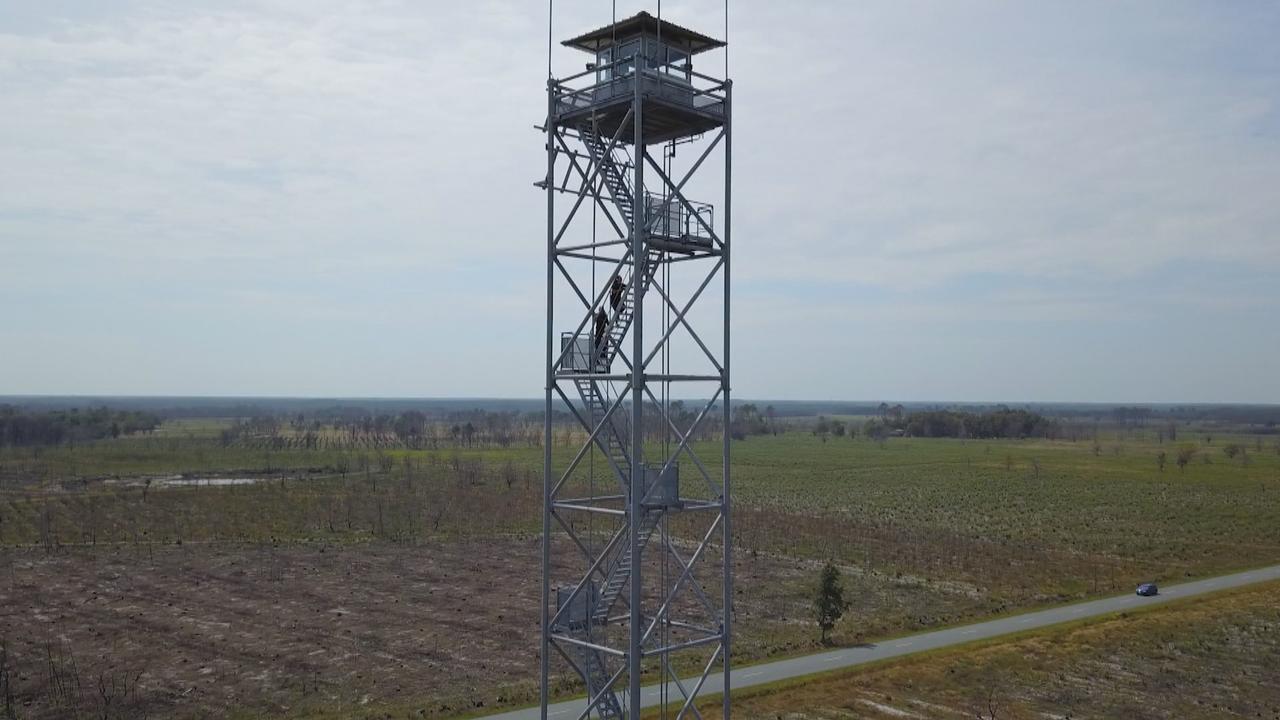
<point>439,628</point>
<point>205,631</point>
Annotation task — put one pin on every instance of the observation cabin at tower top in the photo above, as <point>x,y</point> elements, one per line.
<point>677,101</point>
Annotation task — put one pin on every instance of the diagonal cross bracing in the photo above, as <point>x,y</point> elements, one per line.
<point>684,440</point>
<point>680,316</point>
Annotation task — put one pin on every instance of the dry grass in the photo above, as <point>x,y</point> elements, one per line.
<point>1212,657</point>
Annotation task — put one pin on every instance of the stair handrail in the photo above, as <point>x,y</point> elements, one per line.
<point>600,153</point>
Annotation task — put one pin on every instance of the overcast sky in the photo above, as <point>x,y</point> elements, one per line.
<point>947,200</point>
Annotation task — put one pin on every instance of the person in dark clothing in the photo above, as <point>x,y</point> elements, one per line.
<point>616,290</point>
<point>602,324</point>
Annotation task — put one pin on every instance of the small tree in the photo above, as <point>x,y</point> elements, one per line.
<point>986,705</point>
<point>829,605</point>
<point>876,430</point>
<point>1161,458</point>
<point>1184,457</point>
<point>822,428</point>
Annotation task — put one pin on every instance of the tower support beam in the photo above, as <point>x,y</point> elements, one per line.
<point>637,408</point>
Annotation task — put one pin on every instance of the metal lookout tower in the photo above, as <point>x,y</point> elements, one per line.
<point>637,545</point>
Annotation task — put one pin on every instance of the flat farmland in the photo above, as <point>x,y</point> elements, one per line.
<point>1024,520</point>
<point>927,532</point>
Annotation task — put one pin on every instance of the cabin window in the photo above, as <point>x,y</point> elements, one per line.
<point>626,52</point>
<point>603,58</point>
<point>667,59</point>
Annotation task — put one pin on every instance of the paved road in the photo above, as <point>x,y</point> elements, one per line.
<point>745,677</point>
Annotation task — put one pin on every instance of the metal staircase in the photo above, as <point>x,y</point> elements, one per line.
<point>615,438</point>
<point>596,674</point>
<point>590,662</point>
<point>615,177</point>
<point>620,318</point>
<point>620,570</point>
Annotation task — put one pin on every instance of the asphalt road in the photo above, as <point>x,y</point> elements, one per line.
<point>745,677</point>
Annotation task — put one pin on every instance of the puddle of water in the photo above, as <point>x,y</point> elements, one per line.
<point>179,481</point>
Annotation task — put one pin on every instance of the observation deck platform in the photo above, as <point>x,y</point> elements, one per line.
<point>672,108</point>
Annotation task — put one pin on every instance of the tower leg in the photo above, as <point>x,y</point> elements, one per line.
<point>639,257</point>
<point>545,647</point>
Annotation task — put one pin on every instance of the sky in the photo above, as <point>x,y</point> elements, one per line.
<point>977,201</point>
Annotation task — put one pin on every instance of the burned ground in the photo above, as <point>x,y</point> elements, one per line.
<point>203,630</point>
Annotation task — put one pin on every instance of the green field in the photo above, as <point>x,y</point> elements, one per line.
<point>1052,517</point>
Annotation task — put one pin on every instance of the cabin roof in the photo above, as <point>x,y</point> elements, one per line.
<point>643,22</point>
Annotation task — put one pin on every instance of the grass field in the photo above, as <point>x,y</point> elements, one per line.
<point>1210,657</point>
<point>926,532</point>
<point>1024,520</point>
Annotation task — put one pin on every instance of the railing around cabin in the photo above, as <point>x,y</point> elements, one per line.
<point>673,82</point>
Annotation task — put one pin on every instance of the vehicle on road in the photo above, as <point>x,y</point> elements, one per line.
<point>1148,590</point>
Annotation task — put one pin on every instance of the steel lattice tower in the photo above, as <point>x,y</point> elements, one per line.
<point>636,564</point>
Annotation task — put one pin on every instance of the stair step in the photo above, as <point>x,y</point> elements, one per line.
<point>620,572</point>
<point>596,676</point>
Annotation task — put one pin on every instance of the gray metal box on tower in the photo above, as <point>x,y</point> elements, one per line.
<point>580,606</point>
<point>662,489</point>
<point>578,351</point>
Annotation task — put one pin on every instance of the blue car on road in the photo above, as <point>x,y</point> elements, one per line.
<point>1148,590</point>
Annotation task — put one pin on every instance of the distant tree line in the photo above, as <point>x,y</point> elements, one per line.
<point>1000,423</point>
<point>1131,415</point>
<point>412,428</point>
<point>21,428</point>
